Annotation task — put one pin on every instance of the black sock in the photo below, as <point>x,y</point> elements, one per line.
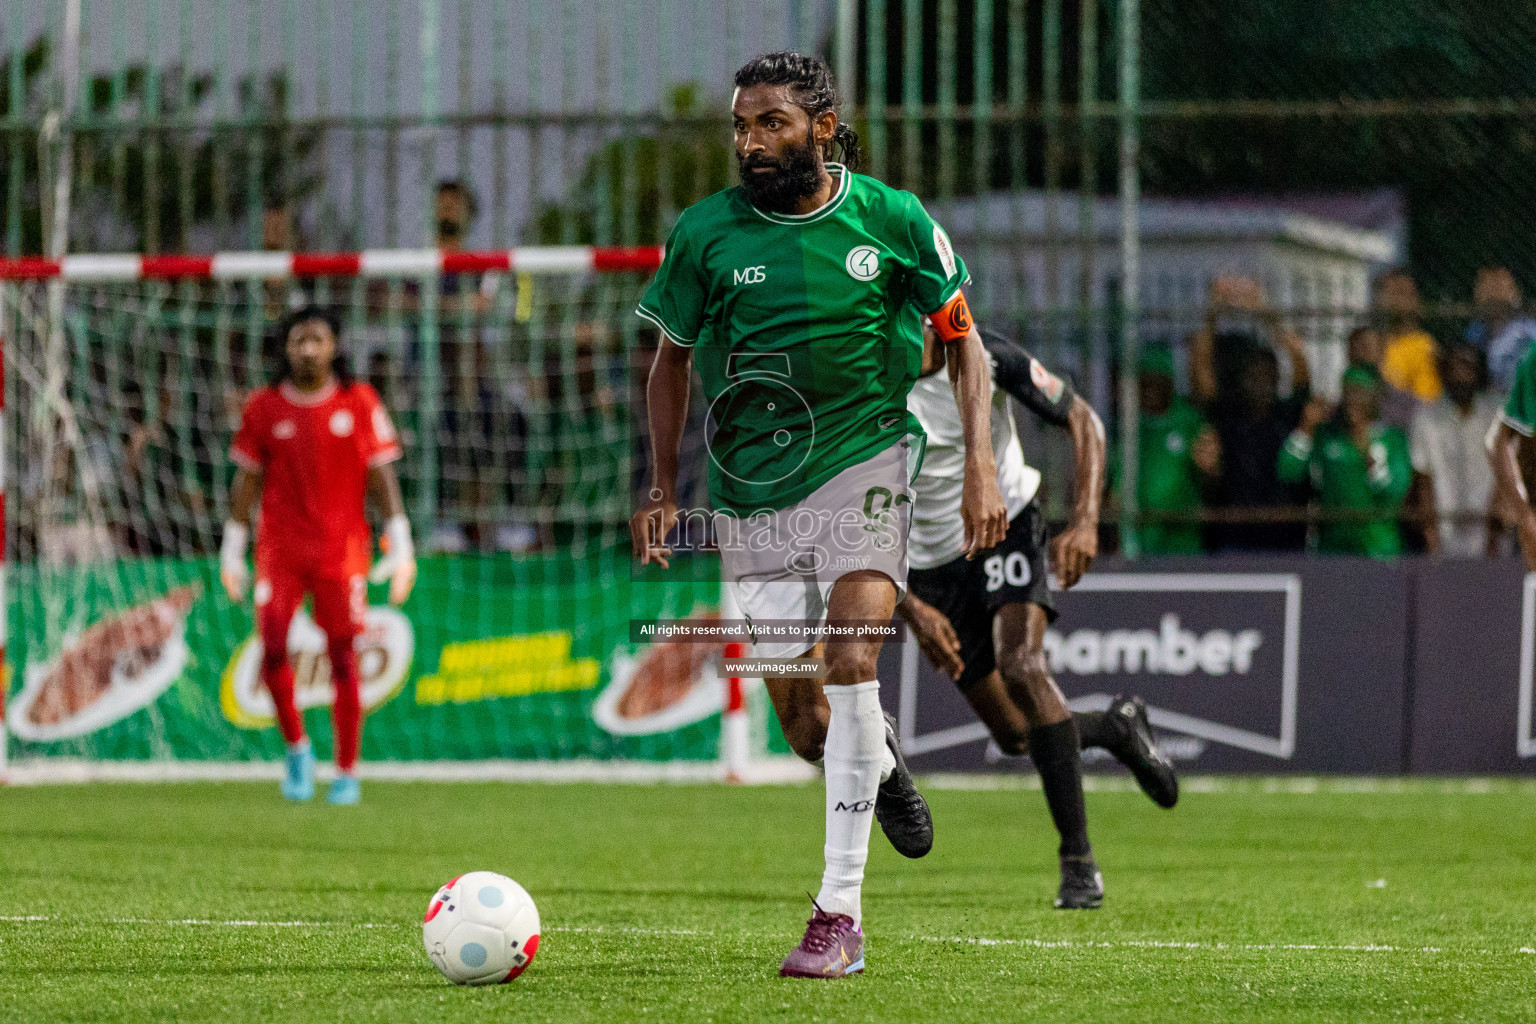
<point>1094,729</point>
<point>1056,751</point>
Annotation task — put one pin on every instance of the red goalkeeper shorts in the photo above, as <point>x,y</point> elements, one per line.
<point>341,598</point>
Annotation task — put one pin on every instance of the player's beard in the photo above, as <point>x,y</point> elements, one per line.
<point>798,174</point>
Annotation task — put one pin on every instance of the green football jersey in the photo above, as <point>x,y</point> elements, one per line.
<point>1520,410</point>
<point>1168,480</point>
<point>803,330</point>
<point>1372,485</point>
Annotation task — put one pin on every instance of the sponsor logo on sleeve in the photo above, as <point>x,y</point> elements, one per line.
<point>1047,382</point>
<point>945,250</point>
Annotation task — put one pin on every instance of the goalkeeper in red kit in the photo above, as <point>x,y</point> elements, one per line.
<point>312,446</point>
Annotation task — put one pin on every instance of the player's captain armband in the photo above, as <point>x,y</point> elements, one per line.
<point>953,320</point>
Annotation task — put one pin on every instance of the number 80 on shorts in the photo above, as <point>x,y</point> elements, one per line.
<point>1012,568</point>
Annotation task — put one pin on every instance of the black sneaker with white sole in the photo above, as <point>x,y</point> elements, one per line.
<point>901,810</point>
<point>1082,886</point>
<point>1153,771</point>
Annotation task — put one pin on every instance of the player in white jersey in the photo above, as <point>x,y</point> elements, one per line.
<point>983,621</point>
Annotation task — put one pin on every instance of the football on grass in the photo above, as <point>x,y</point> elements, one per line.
<point>481,929</point>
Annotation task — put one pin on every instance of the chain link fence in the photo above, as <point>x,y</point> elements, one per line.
<point>1307,147</point>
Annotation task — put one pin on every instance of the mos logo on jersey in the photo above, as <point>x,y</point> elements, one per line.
<point>863,263</point>
<point>752,275</point>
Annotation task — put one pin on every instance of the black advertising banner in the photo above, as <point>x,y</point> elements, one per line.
<point>1251,665</point>
<point>1475,637</point>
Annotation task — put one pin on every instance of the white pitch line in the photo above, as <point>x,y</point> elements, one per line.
<point>1303,947</point>
<point>1170,944</point>
<point>194,922</point>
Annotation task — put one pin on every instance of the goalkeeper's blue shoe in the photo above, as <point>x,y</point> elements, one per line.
<point>345,790</point>
<point>299,779</point>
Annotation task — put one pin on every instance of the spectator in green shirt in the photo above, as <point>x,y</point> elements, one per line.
<point>1180,460</point>
<point>1358,466</point>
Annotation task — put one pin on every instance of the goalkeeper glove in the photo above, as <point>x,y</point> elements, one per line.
<point>233,572</point>
<point>398,565</point>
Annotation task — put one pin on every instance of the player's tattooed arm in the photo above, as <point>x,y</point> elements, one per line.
<point>666,399</point>
<point>233,571</point>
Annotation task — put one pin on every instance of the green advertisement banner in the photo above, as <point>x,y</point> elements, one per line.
<point>491,657</point>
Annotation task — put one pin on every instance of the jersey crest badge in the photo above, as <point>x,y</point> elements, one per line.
<point>1047,382</point>
<point>341,423</point>
<point>284,429</point>
<point>863,263</point>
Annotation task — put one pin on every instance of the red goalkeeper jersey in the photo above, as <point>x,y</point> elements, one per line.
<point>315,451</point>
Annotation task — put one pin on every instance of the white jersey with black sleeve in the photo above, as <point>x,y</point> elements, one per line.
<point>938,535</point>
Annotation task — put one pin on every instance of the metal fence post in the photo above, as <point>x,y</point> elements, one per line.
<point>427,315</point>
<point>1130,269</point>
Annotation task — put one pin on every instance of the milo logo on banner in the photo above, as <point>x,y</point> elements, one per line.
<point>384,652</point>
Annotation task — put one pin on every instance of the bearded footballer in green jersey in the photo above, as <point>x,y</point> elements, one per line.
<point>793,295</point>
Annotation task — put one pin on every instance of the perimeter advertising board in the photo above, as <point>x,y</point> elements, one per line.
<point>491,657</point>
<point>1272,665</point>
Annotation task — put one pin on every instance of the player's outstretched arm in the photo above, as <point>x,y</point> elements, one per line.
<point>1502,442</point>
<point>666,400</point>
<point>398,564</point>
<point>982,511</point>
<point>1075,548</point>
<point>234,573</point>
<point>1053,400</point>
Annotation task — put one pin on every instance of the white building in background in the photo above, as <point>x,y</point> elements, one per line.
<point>1314,269</point>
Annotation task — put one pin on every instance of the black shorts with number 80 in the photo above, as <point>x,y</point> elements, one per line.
<point>970,593</point>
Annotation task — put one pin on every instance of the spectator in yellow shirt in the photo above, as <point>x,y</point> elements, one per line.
<point>1409,354</point>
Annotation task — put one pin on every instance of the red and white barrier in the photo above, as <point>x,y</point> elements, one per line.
<point>102,268</point>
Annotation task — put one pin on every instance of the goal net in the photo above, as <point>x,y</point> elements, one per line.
<point>518,395</point>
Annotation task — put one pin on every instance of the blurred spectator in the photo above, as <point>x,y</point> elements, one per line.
<point>468,479</point>
<point>1238,322</point>
<point>381,373</point>
<point>1236,376</point>
<point>1252,433</point>
<point>1179,460</point>
<point>1358,467</point>
<point>277,235</point>
<point>1398,407</point>
<point>1408,352</point>
<point>1448,448</point>
<point>455,211</point>
<point>1498,329</point>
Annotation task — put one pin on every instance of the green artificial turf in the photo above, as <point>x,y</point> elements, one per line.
<point>676,903</point>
